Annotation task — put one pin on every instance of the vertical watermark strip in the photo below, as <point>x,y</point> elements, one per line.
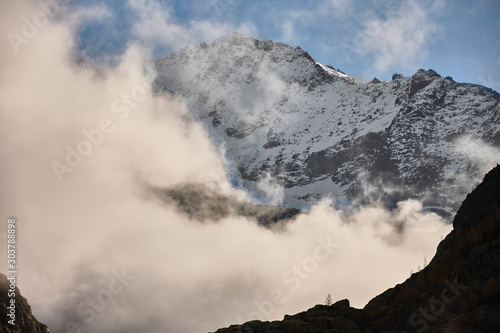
<point>12,270</point>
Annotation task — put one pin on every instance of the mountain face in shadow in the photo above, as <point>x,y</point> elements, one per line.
<point>459,291</point>
<point>25,321</point>
<point>202,204</point>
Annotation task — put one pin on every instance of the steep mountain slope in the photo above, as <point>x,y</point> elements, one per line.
<point>315,131</point>
<point>24,320</point>
<point>459,291</point>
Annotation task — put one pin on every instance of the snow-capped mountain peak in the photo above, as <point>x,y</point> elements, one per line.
<point>318,132</point>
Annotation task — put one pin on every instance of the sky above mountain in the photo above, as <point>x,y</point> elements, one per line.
<point>361,37</point>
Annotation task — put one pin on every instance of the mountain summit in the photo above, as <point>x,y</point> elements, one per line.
<point>315,132</point>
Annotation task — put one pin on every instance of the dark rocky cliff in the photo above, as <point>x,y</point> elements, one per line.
<point>25,321</point>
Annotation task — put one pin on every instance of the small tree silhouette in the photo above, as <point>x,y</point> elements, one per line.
<point>328,300</point>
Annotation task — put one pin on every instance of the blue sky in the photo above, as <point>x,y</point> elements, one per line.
<point>364,38</point>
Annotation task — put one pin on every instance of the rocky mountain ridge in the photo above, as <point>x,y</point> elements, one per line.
<point>317,132</point>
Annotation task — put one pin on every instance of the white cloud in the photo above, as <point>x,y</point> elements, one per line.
<point>478,151</point>
<point>401,40</point>
<point>156,23</point>
<point>83,15</point>
<point>295,25</point>
<point>157,27</point>
<point>270,189</point>
<point>288,29</point>
<point>338,8</point>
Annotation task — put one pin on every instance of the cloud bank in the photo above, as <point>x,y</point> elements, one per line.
<point>97,255</point>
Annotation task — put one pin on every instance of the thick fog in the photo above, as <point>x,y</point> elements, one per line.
<point>98,253</point>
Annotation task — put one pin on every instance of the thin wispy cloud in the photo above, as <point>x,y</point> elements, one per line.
<point>289,32</point>
<point>363,38</point>
<point>84,15</point>
<point>338,8</point>
<point>155,23</point>
<point>157,26</point>
<point>402,39</point>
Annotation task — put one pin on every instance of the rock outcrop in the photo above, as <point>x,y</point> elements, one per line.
<point>25,321</point>
<point>201,204</point>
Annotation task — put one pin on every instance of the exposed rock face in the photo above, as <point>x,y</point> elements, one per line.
<point>318,132</point>
<point>202,204</point>
<point>338,317</point>
<point>25,322</point>
<point>459,291</point>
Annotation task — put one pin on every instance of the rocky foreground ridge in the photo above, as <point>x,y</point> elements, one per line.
<point>459,291</point>
<point>25,321</point>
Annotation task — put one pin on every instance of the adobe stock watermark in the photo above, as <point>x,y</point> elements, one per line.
<point>30,26</point>
<point>372,29</point>
<point>88,309</point>
<point>293,279</point>
<point>94,137</point>
<point>436,306</point>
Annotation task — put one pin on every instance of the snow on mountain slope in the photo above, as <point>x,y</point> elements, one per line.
<point>305,131</point>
